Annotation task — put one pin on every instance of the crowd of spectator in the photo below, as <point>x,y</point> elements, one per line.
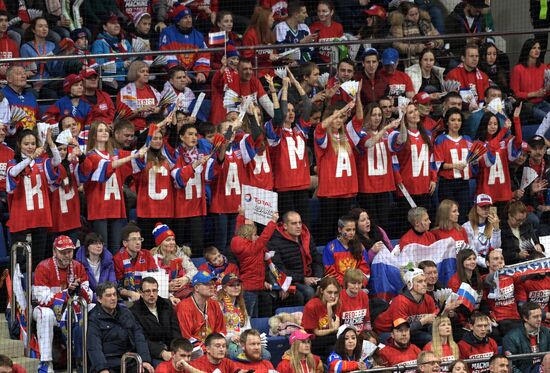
<point>138,165</point>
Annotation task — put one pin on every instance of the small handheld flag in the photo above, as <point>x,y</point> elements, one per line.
<point>216,38</point>
<point>468,296</point>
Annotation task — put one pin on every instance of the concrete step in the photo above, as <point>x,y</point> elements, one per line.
<point>11,347</point>
<point>31,365</point>
<point>4,327</point>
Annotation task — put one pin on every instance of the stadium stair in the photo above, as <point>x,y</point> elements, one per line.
<point>14,348</point>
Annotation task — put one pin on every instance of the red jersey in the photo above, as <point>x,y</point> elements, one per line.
<point>204,365</point>
<point>265,66</point>
<point>6,155</point>
<point>476,80</point>
<point>154,187</point>
<point>8,49</point>
<point>340,94</point>
<point>28,195</point>
<point>494,174</point>
<point>326,33</point>
<point>194,323</point>
<point>103,109</point>
<point>478,351</point>
<point>336,166</point>
<point>50,281</point>
<point>288,152</point>
<point>460,236</point>
<point>233,84</point>
<point>374,167</point>
<point>449,150</point>
<point>393,355</point>
<point>190,190</point>
<point>259,171</point>
<point>525,80</point>
<point>131,7</point>
<point>286,367</point>
<point>355,310</point>
<point>229,176</point>
<point>406,307</point>
<point>262,366</point>
<point>65,200</point>
<point>130,98</point>
<point>279,8</point>
<point>534,289</point>
<point>103,187</point>
<point>315,315</point>
<point>167,367</point>
<point>505,306</point>
<point>399,83</point>
<point>427,238</point>
<point>196,8</point>
<point>129,271</point>
<point>217,111</point>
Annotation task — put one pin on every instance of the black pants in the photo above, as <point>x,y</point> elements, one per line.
<point>190,231</point>
<point>295,200</point>
<point>457,190</point>
<point>330,210</point>
<point>39,251</point>
<point>378,206</point>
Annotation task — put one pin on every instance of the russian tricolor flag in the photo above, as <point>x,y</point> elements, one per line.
<point>468,296</point>
<point>385,279</point>
<point>216,38</point>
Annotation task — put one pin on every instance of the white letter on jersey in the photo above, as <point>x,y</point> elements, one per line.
<point>343,163</point>
<point>152,185</point>
<point>30,192</point>
<point>64,198</point>
<point>456,159</point>
<point>381,157</point>
<point>295,149</point>
<point>196,182</point>
<point>496,172</point>
<point>261,163</point>
<point>111,187</point>
<point>232,181</point>
<point>419,160</point>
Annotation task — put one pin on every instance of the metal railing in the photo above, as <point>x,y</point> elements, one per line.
<point>28,311</point>
<point>133,356</point>
<point>70,311</point>
<point>400,368</point>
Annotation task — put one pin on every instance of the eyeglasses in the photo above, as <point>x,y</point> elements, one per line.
<point>433,362</point>
<point>140,239</point>
<point>150,291</point>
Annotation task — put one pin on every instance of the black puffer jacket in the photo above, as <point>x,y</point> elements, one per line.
<point>290,256</point>
<point>110,336</point>
<point>161,332</point>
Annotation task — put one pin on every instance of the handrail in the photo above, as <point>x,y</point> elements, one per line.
<point>28,311</point>
<point>272,46</point>
<point>133,356</point>
<point>478,360</point>
<point>84,311</point>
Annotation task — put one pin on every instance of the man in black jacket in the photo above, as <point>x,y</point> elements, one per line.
<point>295,254</point>
<point>157,318</point>
<point>466,18</point>
<point>113,331</point>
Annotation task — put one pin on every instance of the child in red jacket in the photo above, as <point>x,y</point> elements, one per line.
<point>249,248</point>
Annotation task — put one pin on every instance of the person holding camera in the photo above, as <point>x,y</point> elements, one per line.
<point>56,281</point>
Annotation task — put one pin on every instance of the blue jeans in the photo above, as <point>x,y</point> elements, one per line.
<point>251,302</point>
<point>307,291</point>
<point>540,110</point>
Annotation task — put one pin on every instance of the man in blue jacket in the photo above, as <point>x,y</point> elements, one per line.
<point>113,331</point>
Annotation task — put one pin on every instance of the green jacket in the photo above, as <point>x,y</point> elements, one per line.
<point>516,341</point>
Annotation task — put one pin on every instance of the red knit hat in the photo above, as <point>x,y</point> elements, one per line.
<point>162,232</point>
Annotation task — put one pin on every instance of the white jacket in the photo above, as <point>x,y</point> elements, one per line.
<point>415,74</point>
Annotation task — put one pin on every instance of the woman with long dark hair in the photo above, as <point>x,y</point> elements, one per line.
<point>345,252</point>
<point>527,80</point>
<point>347,351</point>
<point>451,153</point>
<point>320,316</point>
<point>496,65</point>
<point>28,176</point>
<point>494,176</point>
<point>372,237</point>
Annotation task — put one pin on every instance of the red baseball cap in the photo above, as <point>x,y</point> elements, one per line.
<point>376,10</point>
<point>69,81</point>
<point>484,200</point>
<point>85,74</point>
<point>422,98</point>
<point>63,243</point>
